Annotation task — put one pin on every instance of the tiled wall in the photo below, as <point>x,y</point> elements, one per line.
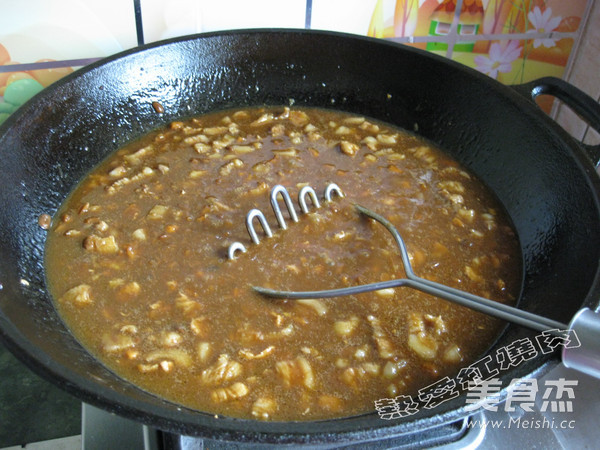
<point>584,72</point>
<point>513,41</point>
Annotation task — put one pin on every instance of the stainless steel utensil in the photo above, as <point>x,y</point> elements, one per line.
<point>586,323</point>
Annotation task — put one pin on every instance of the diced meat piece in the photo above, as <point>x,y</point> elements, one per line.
<point>176,355</point>
<point>317,305</point>
<point>116,343</point>
<point>107,245</point>
<point>346,327</point>
<point>423,345</point>
<point>330,403</point>
<point>260,355</point>
<point>203,351</point>
<point>157,212</point>
<point>233,392</point>
<point>296,372</point>
<point>136,158</point>
<point>384,345</point>
<point>298,118</point>
<point>352,376</point>
<point>80,295</point>
<point>349,148</point>
<point>263,408</point>
<point>224,370</point>
<point>452,354</point>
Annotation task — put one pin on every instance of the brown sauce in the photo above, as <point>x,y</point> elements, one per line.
<point>137,262</point>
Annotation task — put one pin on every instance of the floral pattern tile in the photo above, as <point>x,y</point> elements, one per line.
<point>532,16</point>
<point>515,61</point>
<point>436,18</point>
<point>513,41</point>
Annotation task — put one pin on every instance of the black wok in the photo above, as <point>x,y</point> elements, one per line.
<point>544,178</point>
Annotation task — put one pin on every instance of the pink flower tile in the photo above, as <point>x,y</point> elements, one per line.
<point>514,61</point>
<point>527,16</point>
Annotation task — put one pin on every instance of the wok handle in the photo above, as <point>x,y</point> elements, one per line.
<point>582,104</point>
<point>584,354</point>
